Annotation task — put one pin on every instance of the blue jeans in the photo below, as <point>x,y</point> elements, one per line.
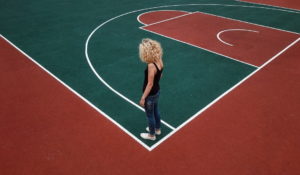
<point>152,112</point>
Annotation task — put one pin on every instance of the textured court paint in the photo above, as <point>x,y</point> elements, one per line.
<point>290,4</point>
<point>36,27</point>
<point>250,131</point>
<point>156,16</point>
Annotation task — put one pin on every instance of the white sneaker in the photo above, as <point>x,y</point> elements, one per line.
<point>157,132</point>
<point>147,136</point>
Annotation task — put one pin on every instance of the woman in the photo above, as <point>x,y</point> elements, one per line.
<point>150,52</point>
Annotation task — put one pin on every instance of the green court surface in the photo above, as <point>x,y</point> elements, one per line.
<point>55,34</point>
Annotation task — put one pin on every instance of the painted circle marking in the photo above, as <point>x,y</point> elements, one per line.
<point>231,30</point>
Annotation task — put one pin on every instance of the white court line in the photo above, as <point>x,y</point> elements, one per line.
<point>138,18</point>
<point>81,97</point>
<point>296,10</point>
<point>225,93</point>
<point>169,19</point>
<point>230,30</point>
<point>249,23</point>
<point>243,62</point>
<point>179,5</point>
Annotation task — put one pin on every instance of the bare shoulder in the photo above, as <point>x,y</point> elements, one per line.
<point>151,66</point>
<point>151,69</point>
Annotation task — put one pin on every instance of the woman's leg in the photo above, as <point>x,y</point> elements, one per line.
<point>156,116</point>
<point>149,107</point>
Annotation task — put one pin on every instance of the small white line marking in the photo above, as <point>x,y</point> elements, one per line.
<point>230,30</point>
<point>168,19</point>
<point>138,18</point>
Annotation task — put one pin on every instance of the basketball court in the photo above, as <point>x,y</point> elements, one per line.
<point>71,80</point>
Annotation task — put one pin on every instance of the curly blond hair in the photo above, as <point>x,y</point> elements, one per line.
<point>150,50</point>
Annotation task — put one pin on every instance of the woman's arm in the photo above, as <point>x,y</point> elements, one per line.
<point>151,74</point>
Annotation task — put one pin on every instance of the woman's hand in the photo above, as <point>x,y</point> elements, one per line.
<point>142,102</point>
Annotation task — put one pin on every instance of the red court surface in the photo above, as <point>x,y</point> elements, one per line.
<point>46,129</point>
<point>248,43</point>
<point>154,16</point>
<point>291,4</point>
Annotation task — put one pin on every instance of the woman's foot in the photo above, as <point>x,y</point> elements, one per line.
<point>148,136</point>
<point>157,131</point>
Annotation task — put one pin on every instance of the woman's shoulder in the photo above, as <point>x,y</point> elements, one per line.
<point>160,65</point>
<point>151,65</point>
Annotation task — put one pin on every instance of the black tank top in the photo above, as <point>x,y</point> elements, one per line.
<point>155,87</point>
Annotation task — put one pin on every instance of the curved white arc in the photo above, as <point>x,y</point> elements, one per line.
<point>230,30</point>
<point>94,70</point>
<point>101,79</point>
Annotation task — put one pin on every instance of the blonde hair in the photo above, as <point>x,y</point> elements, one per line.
<point>150,50</point>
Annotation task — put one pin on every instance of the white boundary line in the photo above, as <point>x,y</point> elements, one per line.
<point>138,18</point>
<point>230,30</point>
<point>225,93</point>
<point>296,10</point>
<point>179,5</point>
<point>201,48</point>
<point>76,93</point>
